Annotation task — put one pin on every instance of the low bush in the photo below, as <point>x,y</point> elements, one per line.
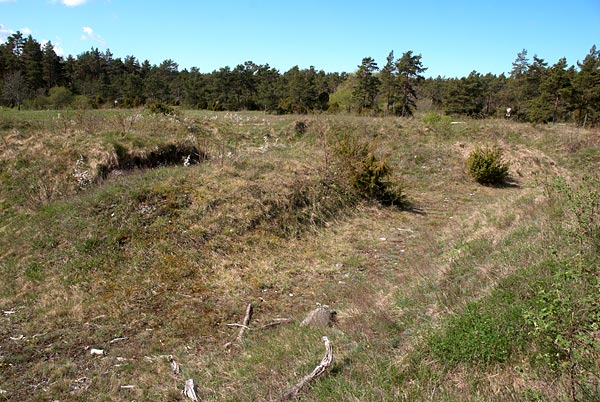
<point>368,175</point>
<point>300,127</point>
<point>161,108</point>
<point>433,118</point>
<point>486,165</point>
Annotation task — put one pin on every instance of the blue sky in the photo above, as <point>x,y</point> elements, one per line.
<point>453,37</point>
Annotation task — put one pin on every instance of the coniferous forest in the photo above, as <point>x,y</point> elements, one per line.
<point>33,76</point>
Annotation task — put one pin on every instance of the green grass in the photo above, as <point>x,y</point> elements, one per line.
<point>444,299</point>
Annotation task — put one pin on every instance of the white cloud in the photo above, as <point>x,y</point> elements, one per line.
<point>88,33</point>
<point>25,31</point>
<point>57,47</point>
<point>73,3</point>
<point>7,1</point>
<point>4,33</point>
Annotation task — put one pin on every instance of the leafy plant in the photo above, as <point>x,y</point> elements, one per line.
<point>486,165</point>
<point>563,315</point>
<point>582,205</point>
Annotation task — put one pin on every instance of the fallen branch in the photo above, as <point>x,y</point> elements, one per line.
<point>320,369</point>
<point>243,327</point>
<point>189,390</point>
<point>245,323</point>
<point>237,325</point>
<point>277,321</point>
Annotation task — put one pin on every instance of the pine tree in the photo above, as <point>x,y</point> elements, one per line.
<point>465,96</point>
<point>367,85</point>
<point>267,95</point>
<point>554,91</point>
<point>52,69</point>
<point>515,92</point>
<point>587,88</point>
<point>389,85</point>
<point>409,69</point>
<point>31,61</point>
<point>520,65</point>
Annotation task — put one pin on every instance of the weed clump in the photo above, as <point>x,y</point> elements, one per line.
<point>486,166</point>
<point>300,127</point>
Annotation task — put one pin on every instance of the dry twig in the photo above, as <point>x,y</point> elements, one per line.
<point>243,327</point>
<point>320,369</point>
<point>277,321</point>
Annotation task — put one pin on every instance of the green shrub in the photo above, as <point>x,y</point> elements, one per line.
<point>81,102</point>
<point>60,97</point>
<point>580,204</point>
<point>433,118</point>
<point>161,108</point>
<point>368,175</point>
<point>486,165</point>
<point>37,103</point>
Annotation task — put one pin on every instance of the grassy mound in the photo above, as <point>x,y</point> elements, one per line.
<point>474,292</point>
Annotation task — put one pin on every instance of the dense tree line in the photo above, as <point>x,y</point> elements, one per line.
<point>33,74</point>
<point>535,91</point>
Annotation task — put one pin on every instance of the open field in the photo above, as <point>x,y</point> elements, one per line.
<point>108,240</point>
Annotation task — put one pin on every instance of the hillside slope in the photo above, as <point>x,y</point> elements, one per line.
<point>144,263</point>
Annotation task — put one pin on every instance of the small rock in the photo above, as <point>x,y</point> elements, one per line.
<point>320,317</point>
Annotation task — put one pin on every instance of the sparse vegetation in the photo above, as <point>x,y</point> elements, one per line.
<point>472,293</point>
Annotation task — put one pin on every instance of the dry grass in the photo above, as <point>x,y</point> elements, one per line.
<point>167,257</point>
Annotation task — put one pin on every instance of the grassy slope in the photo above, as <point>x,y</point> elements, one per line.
<point>167,257</point>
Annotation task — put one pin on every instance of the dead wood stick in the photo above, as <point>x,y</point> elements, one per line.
<point>320,369</point>
<point>189,390</point>
<point>243,326</point>
<point>245,323</point>
<point>235,324</point>
<point>276,321</point>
